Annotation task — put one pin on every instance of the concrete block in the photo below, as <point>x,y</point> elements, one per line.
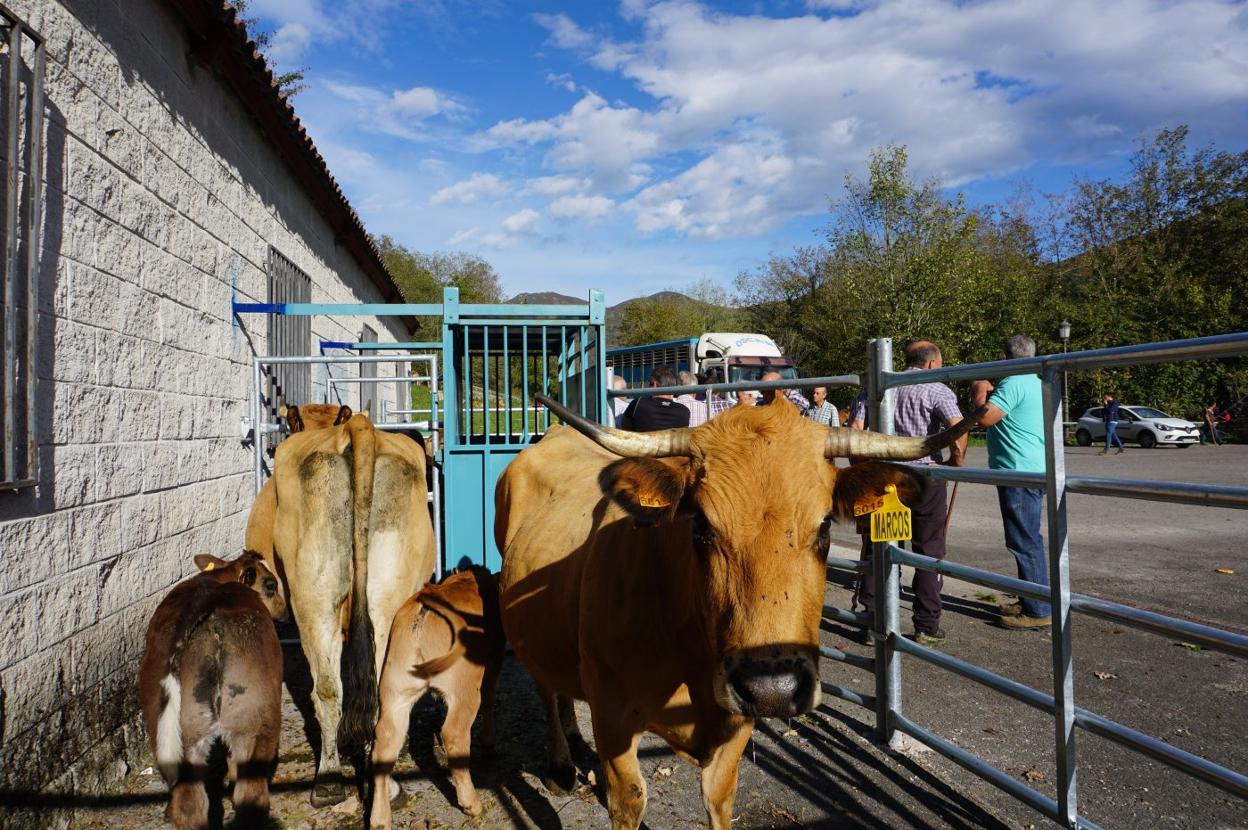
<point>162,466</point>
<point>138,415</point>
<point>35,687</point>
<point>83,414</point>
<point>72,353</point>
<point>139,519</point>
<point>19,637</point>
<point>124,361</point>
<point>68,604</point>
<point>119,470</point>
<point>123,579</point>
<point>37,539</point>
<point>73,475</point>
<point>96,537</point>
<point>104,648</point>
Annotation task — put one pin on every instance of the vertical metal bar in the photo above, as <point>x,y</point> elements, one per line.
<point>545,380</point>
<point>507,381</point>
<point>437,474</point>
<point>581,371</point>
<point>563,365</point>
<point>34,255</point>
<point>524,371</point>
<point>1059,586</point>
<point>469,428</point>
<point>257,383</point>
<point>9,392</point>
<point>886,573</point>
<point>485,381</point>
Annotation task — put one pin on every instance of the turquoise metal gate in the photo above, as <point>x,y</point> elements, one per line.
<point>496,359</point>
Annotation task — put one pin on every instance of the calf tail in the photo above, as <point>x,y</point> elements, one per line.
<point>169,729</point>
<point>359,670</point>
<point>434,667</point>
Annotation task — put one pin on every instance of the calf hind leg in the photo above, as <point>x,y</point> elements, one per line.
<point>461,711</point>
<point>396,709</point>
<point>251,758</point>
<point>188,800</point>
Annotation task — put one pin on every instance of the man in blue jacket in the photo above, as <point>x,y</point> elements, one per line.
<point>1110,416</point>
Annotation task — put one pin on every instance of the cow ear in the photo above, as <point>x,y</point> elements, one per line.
<point>646,487</point>
<point>868,480</point>
<point>248,576</point>
<point>294,419</point>
<point>344,415</point>
<point>207,562</point>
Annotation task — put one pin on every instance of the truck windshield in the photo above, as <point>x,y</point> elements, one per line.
<point>744,373</point>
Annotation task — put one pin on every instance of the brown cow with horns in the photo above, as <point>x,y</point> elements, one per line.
<point>675,580</point>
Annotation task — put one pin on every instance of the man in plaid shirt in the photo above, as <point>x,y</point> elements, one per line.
<point>920,410</point>
<point>821,411</point>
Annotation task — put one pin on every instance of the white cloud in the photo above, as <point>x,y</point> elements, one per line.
<point>471,190</point>
<point>564,32</point>
<point>401,112</point>
<point>563,81</point>
<point>290,43</point>
<point>580,207</point>
<point>974,90</point>
<point>521,221</point>
<point>556,185</point>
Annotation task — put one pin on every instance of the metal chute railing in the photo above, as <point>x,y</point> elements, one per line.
<point>887,558</point>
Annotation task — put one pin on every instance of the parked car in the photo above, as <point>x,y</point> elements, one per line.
<point>1142,425</point>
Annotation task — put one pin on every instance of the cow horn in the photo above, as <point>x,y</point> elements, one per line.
<point>845,443</point>
<point>662,444</point>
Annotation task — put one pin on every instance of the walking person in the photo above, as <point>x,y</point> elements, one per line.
<point>923,409</point>
<point>1211,423</point>
<point>1015,421</point>
<point>1110,416</point>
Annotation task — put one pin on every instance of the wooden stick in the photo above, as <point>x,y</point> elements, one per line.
<point>949,515</point>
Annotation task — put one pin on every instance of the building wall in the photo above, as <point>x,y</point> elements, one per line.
<point>161,197</point>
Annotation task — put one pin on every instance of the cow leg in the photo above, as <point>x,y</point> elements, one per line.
<point>188,802</point>
<point>560,773</point>
<point>251,757</point>
<point>719,776</point>
<point>322,645</point>
<point>489,685</point>
<point>399,693</point>
<point>463,698</point>
<point>617,749</point>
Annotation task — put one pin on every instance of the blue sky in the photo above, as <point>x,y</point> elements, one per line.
<point>638,146</point>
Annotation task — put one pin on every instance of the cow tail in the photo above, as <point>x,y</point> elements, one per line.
<point>359,670</point>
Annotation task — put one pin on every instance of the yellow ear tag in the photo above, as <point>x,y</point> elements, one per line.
<point>209,566</point>
<point>890,522</point>
<point>651,501</point>
<point>866,505</point>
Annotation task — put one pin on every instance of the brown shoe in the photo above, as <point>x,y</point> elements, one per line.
<point>1012,609</point>
<point>1022,622</point>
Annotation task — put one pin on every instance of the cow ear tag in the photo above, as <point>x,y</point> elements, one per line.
<point>890,520</point>
<point>209,566</point>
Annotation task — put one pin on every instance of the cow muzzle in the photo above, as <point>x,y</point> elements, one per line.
<point>769,683</point>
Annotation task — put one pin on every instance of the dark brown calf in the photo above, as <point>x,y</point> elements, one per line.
<point>450,637</point>
<point>212,670</point>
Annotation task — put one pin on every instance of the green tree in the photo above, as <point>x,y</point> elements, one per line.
<point>290,83</point>
<point>670,315</point>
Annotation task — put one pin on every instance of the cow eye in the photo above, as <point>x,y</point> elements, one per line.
<point>703,534</point>
<point>825,535</point>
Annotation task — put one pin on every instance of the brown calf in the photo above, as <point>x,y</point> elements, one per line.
<point>212,670</point>
<point>450,637</point>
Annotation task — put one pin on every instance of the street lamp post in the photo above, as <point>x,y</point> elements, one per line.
<point>1063,332</point>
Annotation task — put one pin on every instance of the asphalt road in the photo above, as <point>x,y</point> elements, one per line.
<point>1163,557</point>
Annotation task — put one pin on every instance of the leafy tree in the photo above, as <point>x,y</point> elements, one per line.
<point>421,277</point>
<point>290,83</point>
<point>670,315</point>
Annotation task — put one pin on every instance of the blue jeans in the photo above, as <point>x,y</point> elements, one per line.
<point>1111,435</point>
<point>1020,514</point>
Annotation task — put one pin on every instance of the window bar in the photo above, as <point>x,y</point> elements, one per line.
<point>469,428</point>
<point>10,256</point>
<point>581,371</point>
<point>563,365</point>
<point>507,381</point>
<point>485,384</point>
<point>545,381</point>
<point>34,253</point>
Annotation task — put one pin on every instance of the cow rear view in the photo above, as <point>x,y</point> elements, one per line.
<point>448,637</point>
<point>212,670</point>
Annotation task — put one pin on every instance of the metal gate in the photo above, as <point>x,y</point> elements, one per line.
<point>482,376</point>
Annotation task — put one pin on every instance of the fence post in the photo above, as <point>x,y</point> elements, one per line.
<point>887,575</point>
<point>1059,586</point>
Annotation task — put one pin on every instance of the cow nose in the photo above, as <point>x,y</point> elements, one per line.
<point>773,689</point>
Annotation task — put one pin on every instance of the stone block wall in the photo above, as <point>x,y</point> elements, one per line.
<point>162,198</point>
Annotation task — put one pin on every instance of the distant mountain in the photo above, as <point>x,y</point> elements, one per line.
<point>546,298</point>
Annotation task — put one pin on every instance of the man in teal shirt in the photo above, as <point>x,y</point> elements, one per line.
<point>1015,421</point>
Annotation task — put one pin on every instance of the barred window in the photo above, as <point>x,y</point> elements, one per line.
<point>289,336</point>
<point>22,146</point>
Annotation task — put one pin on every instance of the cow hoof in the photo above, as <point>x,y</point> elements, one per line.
<point>328,793</point>
<point>398,796</point>
<point>473,808</point>
<point>561,780</point>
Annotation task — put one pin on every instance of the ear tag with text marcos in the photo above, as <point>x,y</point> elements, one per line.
<point>890,520</point>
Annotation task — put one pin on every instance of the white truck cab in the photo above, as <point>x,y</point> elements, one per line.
<point>727,357</point>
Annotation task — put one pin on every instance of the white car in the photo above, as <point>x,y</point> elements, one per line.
<point>1142,425</point>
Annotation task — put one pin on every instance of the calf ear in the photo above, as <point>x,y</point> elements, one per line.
<point>207,562</point>
<point>868,480</point>
<point>344,415</point>
<point>647,488</point>
<point>293,419</point>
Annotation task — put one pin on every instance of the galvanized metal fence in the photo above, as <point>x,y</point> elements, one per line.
<point>887,703</point>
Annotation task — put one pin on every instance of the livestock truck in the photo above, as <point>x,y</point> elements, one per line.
<point>723,357</point>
